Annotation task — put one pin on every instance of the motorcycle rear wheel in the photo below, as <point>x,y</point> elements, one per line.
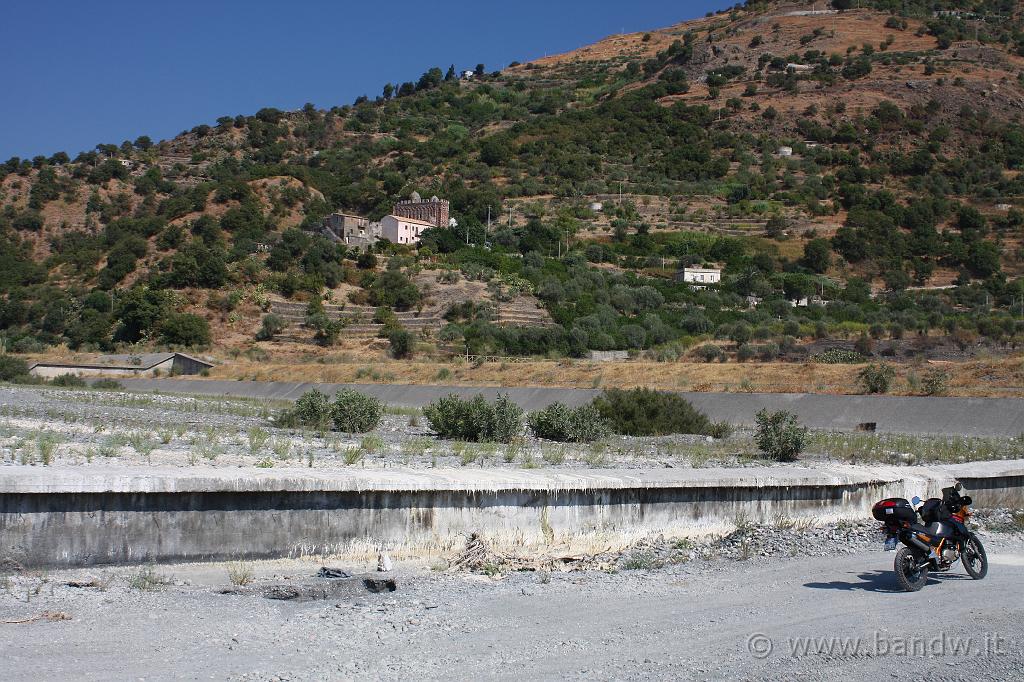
<point>910,577</point>
<point>974,559</point>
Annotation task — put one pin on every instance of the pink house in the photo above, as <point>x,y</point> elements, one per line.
<point>399,230</point>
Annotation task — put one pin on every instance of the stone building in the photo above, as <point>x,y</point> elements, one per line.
<point>351,230</point>
<point>434,211</point>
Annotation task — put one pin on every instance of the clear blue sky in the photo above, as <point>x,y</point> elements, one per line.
<point>81,73</point>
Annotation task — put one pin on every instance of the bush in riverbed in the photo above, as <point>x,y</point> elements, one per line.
<point>779,436</point>
<point>565,424</point>
<point>69,381</point>
<point>355,412</point>
<point>475,419</point>
<point>12,368</point>
<point>312,409</point>
<point>643,412</point>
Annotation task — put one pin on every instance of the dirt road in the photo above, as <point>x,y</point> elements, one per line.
<point>699,620</point>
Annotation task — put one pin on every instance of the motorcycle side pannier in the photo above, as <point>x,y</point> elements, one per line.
<point>894,510</point>
<point>933,510</point>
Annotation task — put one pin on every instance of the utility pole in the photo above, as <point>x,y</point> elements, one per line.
<point>487,232</point>
<point>510,217</point>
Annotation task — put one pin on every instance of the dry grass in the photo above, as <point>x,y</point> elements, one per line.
<point>979,378</point>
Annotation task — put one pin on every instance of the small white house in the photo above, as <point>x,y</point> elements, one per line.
<point>596,206</point>
<point>702,276</point>
<point>785,151</point>
<point>399,230</point>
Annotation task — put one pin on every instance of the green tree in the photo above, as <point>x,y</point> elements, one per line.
<point>185,329</point>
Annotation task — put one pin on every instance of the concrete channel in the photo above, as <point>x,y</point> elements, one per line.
<point>80,516</point>
<point>981,417</point>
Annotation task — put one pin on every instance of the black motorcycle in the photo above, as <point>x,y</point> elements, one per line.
<point>935,545</point>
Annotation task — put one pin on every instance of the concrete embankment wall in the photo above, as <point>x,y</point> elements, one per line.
<point>987,417</point>
<point>69,516</point>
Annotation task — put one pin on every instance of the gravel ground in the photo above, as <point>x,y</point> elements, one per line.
<point>89,426</point>
<point>695,612</point>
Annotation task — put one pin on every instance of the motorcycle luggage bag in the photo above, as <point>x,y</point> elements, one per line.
<point>933,510</point>
<point>894,510</point>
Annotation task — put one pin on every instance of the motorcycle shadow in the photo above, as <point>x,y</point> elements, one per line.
<point>872,581</point>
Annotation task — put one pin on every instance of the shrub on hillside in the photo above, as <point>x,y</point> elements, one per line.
<point>565,424</point>
<point>779,436</point>
<point>838,356</point>
<point>355,412</point>
<point>709,352</point>
<point>936,382</point>
<point>876,378</point>
<point>401,342</point>
<point>185,329</point>
<point>643,412</point>
<point>271,327</point>
<point>12,368</point>
<point>475,419</point>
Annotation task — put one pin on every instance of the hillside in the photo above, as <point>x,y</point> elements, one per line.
<point>866,156</point>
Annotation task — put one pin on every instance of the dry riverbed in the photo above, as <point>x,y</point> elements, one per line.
<point>45,425</point>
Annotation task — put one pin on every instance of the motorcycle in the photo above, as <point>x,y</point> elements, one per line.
<point>934,545</point>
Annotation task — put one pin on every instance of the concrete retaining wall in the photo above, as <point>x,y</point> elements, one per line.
<point>69,516</point>
<point>989,417</point>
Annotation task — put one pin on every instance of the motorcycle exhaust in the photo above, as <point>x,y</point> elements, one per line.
<point>920,545</point>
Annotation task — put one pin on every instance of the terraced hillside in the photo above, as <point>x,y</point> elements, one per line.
<point>867,156</point>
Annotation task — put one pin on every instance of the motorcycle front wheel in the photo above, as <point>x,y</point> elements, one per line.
<point>974,559</point>
<point>911,577</point>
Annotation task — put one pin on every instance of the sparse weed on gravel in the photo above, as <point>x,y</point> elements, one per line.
<point>147,579</point>
<point>240,574</point>
<point>640,561</point>
<point>554,456</point>
<point>141,443</point>
<point>742,522</point>
<point>465,453</point>
<point>257,438</point>
<point>891,448</point>
<point>527,460</point>
<point>46,444</point>
<point>597,455</point>
<point>281,448</point>
<point>371,444</point>
<point>204,446</point>
<point>352,456</point>
<point>415,447</point>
